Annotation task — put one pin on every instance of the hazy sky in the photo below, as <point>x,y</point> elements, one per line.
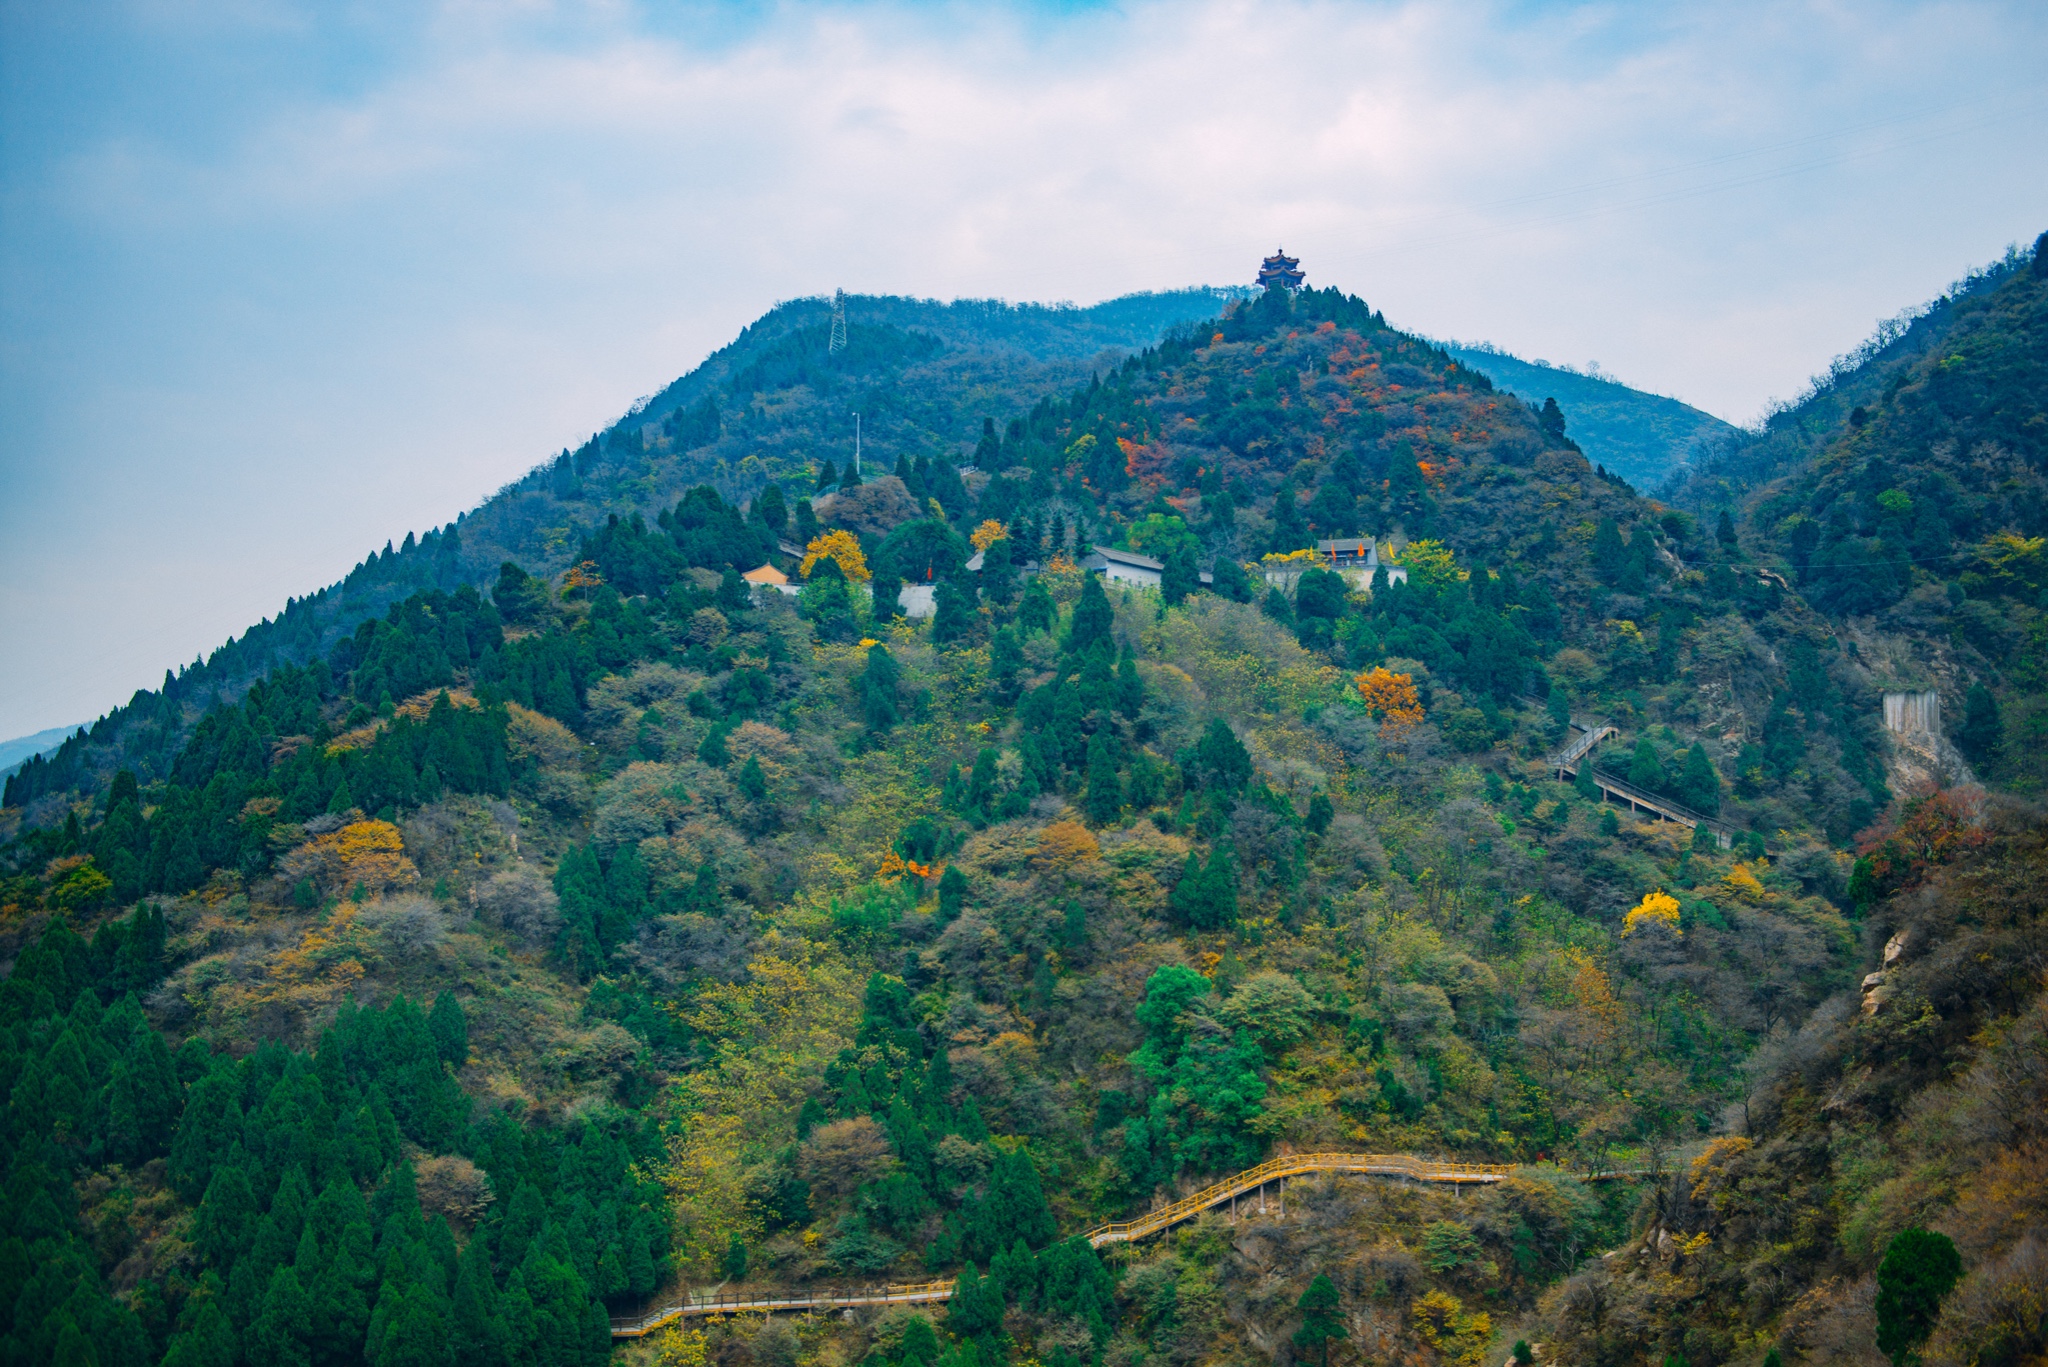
<point>279,281</point>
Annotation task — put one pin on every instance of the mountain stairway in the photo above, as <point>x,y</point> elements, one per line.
<point>721,1301</point>
<point>1575,752</point>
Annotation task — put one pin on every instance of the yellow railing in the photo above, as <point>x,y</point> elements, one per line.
<point>1295,1165</point>
<point>1251,1179</point>
<point>741,1303</point>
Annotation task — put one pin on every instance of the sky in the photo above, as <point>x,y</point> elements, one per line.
<point>281,281</point>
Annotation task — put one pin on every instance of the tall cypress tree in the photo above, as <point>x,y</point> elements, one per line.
<point>450,1029</point>
<point>1105,799</point>
<point>1093,621</point>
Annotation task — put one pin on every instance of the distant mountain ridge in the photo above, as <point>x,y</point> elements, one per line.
<point>1640,436</point>
<point>13,753</point>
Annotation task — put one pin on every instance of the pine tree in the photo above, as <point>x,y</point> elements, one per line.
<point>1105,798</point>
<point>976,1308</point>
<point>1130,687</point>
<point>734,1264</point>
<point>774,511</point>
<point>920,1346</point>
<point>1321,1324</point>
<point>1610,552</point>
<point>1982,726</point>
<point>210,1342</point>
<point>450,1029</point>
<point>228,1214</point>
<point>1230,581</point>
<point>1006,662</point>
<point>877,690</point>
<point>752,782</point>
<point>953,615</point>
<point>277,1335</point>
<point>1037,611</point>
<point>1093,620</point>
<point>1320,814</point>
<point>1699,787</point>
<point>1646,767</point>
<point>1290,533</point>
<point>472,1322</point>
<point>952,893</point>
<point>1182,575</point>
<point>1724,532</point>
<point>1919,1269</point>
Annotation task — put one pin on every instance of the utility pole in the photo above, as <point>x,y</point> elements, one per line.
<point>856,445</point>
<point>837,343</point>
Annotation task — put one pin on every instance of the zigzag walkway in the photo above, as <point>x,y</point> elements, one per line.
<point>721,1302</point>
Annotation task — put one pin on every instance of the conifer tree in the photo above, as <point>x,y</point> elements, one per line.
<point>210,1342</point>
<point>1919,1269</point>
<point>1182,575</point>
<point>734,1264</point>
<point>1982,726</point>
<point>1037,611</point>
<point>877,689</point>
<point>952,893</point>
<point>1646,767</point>
<point>1230,581</point>
<point>1094,621</point>
<point>1321,1324</point>
<point>1699,786</point>
<point>450,1029</point>
<point>1006,662</point>
<point>953,615</point>
<point>1130,687</point>
<point>1105,797</point>
<point>1610,552</point>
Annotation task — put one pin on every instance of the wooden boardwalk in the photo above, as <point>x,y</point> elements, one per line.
<point>724,1302</point>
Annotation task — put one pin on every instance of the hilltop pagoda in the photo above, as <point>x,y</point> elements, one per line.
<point>1281,269</point>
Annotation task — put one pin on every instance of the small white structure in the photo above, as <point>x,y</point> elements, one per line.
<point>1125,567</point>
<point>1907,714</point>
<point>917,601</point>
<point>1356,558</point>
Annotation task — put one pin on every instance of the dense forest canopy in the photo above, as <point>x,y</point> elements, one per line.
<point>492,945</point>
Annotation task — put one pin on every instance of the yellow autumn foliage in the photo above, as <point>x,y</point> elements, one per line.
<point>1431,563</point>
<point>681,1348</point>
<point>1744,883</point>
<point>1656,906</point>
<point>1064,844</point>
<point>1441,1320</point>
<point>988,533</point>
<point>372,853</point>
<point>839,546</point>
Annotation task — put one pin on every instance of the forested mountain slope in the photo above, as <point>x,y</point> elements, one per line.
<point>525,949</point>
<point>1906,498</point>
<point>924,375</point>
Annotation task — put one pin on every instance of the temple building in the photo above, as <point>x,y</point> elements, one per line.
<point>1281,269</point>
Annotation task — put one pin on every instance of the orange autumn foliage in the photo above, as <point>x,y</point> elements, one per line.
<point>1392,699</point>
